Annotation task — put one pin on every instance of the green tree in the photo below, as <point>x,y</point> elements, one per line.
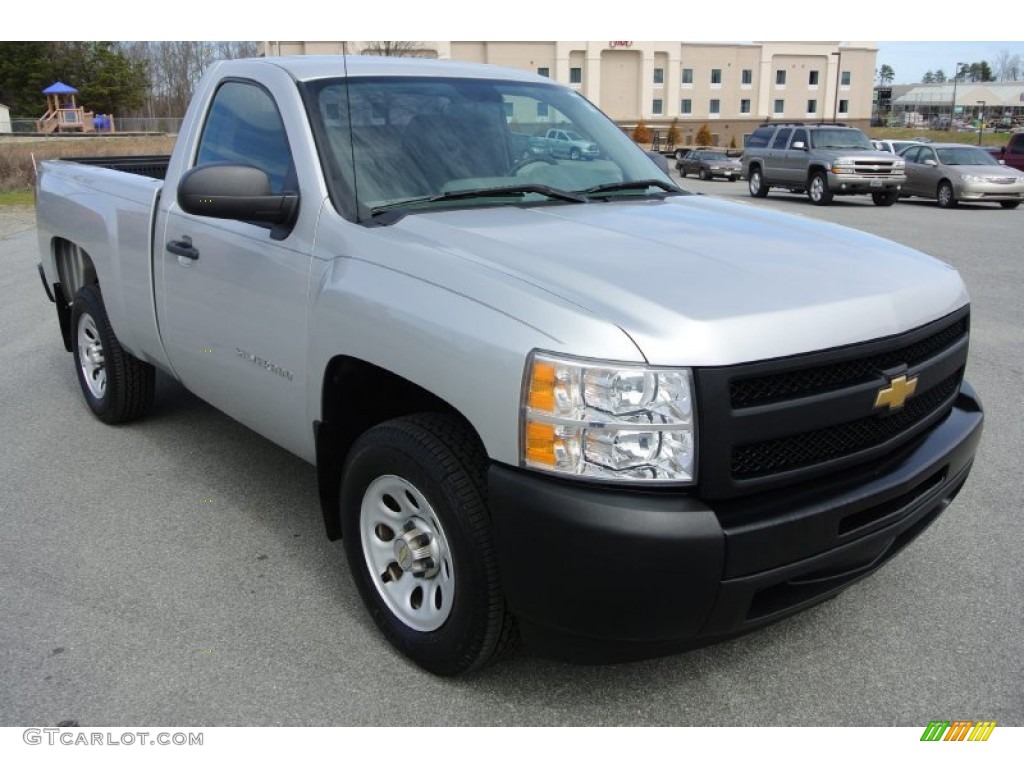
<point>26,68</point>
<point>929,77</point>
<point>886,74</point>
<point>940,76</point>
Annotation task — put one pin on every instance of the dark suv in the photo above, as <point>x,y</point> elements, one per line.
<point>823,159</point>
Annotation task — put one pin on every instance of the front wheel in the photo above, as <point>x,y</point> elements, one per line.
<point>574,154</point>
<point>1010,203</point>
<point>417,535</point>
<point>756,183</point>
<point>117,386</point>
<point>704,175</point>
<point>945,195</point>
<point>885,199</point>
<point>818,190</point>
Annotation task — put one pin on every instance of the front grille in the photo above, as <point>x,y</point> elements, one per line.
<point>807,448</point>
<point>760,390</point>
<point>1000,180</point>
<point>873,168</point>
<point>776,422</point>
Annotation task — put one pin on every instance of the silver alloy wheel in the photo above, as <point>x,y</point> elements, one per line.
<point>407,553</point>
<point>817,188</point>
<point>90,356</point>
<point>755,182</point>
<point>945,196</point>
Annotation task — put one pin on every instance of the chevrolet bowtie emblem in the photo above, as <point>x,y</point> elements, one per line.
<point>896,394</point>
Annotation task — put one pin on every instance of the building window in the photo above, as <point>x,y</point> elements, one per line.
<point>656,107</point>
<point>659,76</point>
<point>716,77</point>
<point>812,77</point>
<point>780,77</point>
<point>746,77</point>
<point>575,75</point>
<point>715,107</point>
<point>686,107</point>
<point>812,106</point>
<point>744,106</point>
<point>844,106</point>
<point>780,106</point>
<point>542,109</point>
<point>844,78</point>
<point>687,77</point>
<point>543,71</point>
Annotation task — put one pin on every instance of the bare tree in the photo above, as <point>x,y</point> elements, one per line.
<point>1008,66</point>
<point>396,48</point>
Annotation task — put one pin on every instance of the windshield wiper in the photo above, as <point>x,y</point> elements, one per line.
<point>517,190</point>
<point>625,186</point>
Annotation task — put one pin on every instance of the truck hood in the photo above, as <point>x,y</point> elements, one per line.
<point>699,281</point>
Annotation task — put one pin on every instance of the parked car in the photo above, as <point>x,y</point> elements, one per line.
<point>709,164</point>
<point>565,143</point>
<point>895,146</point>
<point>951,173</point>
<point>823,159</point>
<point>526,145</point>
<point>1013,153</point>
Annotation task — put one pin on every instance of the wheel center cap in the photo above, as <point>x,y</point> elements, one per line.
<point>95,354</point>
<point>416,549</point>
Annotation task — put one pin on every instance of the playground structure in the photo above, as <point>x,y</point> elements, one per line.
<point>64,115</point>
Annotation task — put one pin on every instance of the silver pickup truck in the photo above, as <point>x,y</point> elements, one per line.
<point>559,402</point>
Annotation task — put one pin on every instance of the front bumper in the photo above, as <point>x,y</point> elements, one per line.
<point>599,574</point>
<point>983,192</point>
<point>856,184</point>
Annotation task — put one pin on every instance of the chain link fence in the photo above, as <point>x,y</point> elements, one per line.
<point>171,125</point>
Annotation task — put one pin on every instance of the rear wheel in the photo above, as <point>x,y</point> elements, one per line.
<point>1010,203</point>
<point>417,534</point>
<point>117,386</point>
<point>945,195</point>
<point>818,190</point>
<point>886,198</point>
<point>756,183</point>
<point>704,175</point>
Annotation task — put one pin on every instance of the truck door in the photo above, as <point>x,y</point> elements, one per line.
<point>794,161</point>
<point>233,313</point>
<point>775,156</point>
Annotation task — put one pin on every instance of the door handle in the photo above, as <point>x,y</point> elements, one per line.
<point>183,248</point>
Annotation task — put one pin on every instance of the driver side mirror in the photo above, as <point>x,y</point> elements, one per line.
<point>799,145</point>
<point>229,191</point>
<point>932,163</point>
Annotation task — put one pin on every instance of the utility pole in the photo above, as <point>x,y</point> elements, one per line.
<point>956,76</point>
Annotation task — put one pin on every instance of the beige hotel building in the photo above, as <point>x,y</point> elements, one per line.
<point>730,87</point>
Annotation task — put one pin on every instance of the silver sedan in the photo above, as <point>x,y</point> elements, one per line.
<point>953,173</point>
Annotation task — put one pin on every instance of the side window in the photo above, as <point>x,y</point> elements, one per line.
<point>782,138</point>
<point>799,135</point>
<point>760,137</point>
<point>244,126</point>
<point>911,154</point>
<point>926,154</point>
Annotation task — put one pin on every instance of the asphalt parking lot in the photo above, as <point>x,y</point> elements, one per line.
<point>176,571</point>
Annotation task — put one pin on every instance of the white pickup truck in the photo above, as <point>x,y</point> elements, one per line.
<point>547,400</point>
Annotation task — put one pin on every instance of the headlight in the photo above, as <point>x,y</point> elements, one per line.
<point>608,421</point>
<point>972,179</point>
<point>842,169</point>
<point>900,164</point>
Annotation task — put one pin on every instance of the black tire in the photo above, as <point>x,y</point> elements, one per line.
<point>117,386</point>
<point>945,196</point>
<point>817,189</point>
<point>574,154</point>
<point>885,199</point>
<point>682,172</point>
<point>755,183</point>
<point>437,469</point>
<point>1010,204</point>
<point>732,178</point>
<point>703,175</point>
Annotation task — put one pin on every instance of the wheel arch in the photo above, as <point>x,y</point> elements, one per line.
<point>75,270</point>
<point>355,396</point>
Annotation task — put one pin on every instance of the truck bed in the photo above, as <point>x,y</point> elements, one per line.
<point>153,166</point>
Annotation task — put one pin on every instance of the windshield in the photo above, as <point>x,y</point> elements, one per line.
<point>390,143</point>
<point>716,156</point>
<point>965,156</point>
<point>840,138</point>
